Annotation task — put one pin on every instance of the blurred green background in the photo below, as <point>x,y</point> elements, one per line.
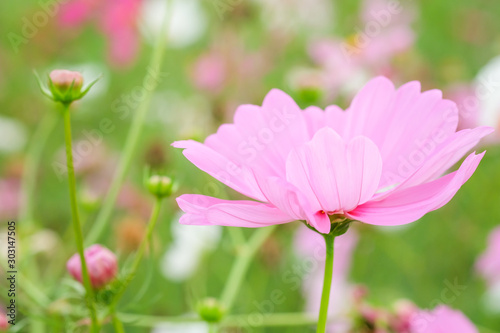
<point>453,41</point>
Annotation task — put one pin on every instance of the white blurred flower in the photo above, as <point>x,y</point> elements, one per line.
<point>44,241</point>
<point>492,298</point>
<point>181,328</point>
<point>13,135</point>
<point>487,85</point>
<point>194,120</point>
<point>184,254</point>
<point>295,15</point>
<point>188,21</point>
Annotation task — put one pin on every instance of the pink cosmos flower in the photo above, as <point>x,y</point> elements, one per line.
<point>117,20</point>
<point>378,162</point>
<point>101,265</point>
<point>488,264</point>
<point>442,320</point>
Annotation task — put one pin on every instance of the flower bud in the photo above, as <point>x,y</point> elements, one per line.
<point>211,310</point>
<point>160,186</point>
<point>4,322</point>
<point>65,86</point>
<point>102,265</point>
<point>63,80</point>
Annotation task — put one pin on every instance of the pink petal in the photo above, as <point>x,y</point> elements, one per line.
<point>259,140</point>
<point>315,119</point>
<point>410,204</point>
<point>203,210</point>
<point>283,195</point>
<point>220,167</point>
<point>270,132</point>
<point>333,175</point>
<point>400,123</point>
<point>445,155</point>
<point>442,319</point>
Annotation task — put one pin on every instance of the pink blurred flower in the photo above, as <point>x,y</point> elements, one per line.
<point>310,247</point>
<point>4,322</point>
<point>442,320</point>
<point>229,63</point>
<point>209,72</point>
<point>101,265</point>
<point>488,265</point>
<point>386,32</point>
<point>378,162</point>
<point>116,19</point>
<point>404,312</point>
<point>10,189</point>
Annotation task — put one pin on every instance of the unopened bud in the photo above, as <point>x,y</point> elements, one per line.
<point>102,266</point>
<point>63,80</point>
<point>160,186</point>
<point>211,310</point>
<point>65,86</point>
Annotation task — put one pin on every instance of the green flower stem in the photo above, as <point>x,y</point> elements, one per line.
<point>241,265</point>
<point>117,324</point>
<point>327,284</point>
<point>31,166</point>
<point>140,253</point>
<point>76,219</point>
<point>132,140</point>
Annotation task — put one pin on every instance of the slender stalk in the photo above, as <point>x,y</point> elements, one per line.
<point>240,267</point>
<point>140,253</point>
<point>327,284</point>
<point>117,324</point>
<point>135,130</point>
<point>76,220</point>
